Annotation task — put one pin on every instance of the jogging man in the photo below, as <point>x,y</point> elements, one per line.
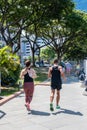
<point>55,72</point>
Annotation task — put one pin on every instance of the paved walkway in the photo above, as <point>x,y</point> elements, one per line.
<point>71,116</point>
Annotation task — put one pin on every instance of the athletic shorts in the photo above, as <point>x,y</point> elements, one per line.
<point>56,86</point>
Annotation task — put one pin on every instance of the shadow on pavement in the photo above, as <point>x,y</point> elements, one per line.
<point>34,112</point>
<point>67,111</point>
<point>2,114</point>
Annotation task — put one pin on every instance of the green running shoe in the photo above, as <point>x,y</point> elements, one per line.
<point>58,107</point>
<point>51,107</point>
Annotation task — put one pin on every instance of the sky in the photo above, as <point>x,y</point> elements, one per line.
<point>81,5</point>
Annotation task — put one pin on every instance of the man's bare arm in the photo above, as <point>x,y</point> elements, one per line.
<point>49,72</point>
<point>62,73</point>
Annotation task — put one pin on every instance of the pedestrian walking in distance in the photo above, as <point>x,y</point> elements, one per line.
<point>28,74</point>
<point>55,72</point>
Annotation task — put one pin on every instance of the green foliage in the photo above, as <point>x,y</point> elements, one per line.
<point>77,51</point>
<point>16,15</point>
<point>66,35</point>
<point>54,20</point>
<point>47,53</point>
<point>76,21</point>
<point>9,66</point>
<point>76,25</point>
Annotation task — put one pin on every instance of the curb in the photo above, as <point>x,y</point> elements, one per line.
<point>4,100</point>
<point>43,84</point>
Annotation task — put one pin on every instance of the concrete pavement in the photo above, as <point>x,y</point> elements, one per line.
<point>71,116</point>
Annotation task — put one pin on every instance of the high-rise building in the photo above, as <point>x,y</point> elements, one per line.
<point>25,50</point>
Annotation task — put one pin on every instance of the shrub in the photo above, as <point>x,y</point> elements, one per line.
<point>9,66</point>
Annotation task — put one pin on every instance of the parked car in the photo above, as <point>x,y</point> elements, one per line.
<point>46,64</point>
<point>38,64</point>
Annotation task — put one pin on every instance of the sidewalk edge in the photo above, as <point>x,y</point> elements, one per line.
<point>4,100</point>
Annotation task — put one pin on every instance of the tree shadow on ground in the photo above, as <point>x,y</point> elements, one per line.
<point>2,114</point>
<point>41,113</point>
<point>67,111</point>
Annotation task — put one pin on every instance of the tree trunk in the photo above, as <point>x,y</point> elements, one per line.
<point>39,57</point>
<point>58,57</point>
<point>33,60</point>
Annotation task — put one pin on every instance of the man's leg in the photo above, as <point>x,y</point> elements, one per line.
<point>57,99</point>
<point>51,99</point>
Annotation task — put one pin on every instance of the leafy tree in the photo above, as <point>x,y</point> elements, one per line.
<point>17,15</point>
<point>66,33</point>
<point>77,52</point>
<point>33,31</point>
<point>77,35</point>
<point>47,53</point>
<point>32,37</point>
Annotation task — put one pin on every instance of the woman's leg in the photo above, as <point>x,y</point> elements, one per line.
<point>28,89</point>
<point>30,93</point>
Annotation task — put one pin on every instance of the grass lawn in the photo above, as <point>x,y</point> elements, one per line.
<point>41,76</point>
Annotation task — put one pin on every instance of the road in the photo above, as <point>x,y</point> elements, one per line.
<point>71,116</point>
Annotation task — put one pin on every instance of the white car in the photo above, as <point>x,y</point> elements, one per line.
<point>38,64</point>
<point>46,64</point>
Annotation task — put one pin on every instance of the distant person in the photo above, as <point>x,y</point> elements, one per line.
<point>28,74</point>
<point>68,68</point>
<point>77,69</point>
<point>81,75</point>
<point>55,72</point>
<point>63,65</point>
<point>42,63</point>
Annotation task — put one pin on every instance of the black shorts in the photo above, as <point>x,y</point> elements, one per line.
<point>56,86</point>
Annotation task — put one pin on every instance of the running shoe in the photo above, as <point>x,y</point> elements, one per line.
<point>51,107</point>
<point>27,106</point>
<point>57,107</point>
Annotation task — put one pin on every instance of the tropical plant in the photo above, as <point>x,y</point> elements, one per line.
<point>9,66</point>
